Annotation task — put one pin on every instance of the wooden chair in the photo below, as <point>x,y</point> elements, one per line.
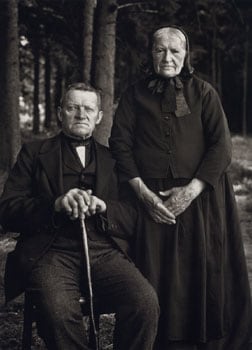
<point>30,317</point>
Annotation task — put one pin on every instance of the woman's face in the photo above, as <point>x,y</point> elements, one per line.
<point>168,52</point>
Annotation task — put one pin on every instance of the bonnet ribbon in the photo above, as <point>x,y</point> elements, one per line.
<point>173,99</point>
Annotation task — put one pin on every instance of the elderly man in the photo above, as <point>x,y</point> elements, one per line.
<point>54,183</point>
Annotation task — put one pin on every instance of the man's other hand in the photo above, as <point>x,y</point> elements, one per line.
<point>77,203</point>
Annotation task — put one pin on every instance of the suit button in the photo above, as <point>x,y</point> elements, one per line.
<point>169,151</point>
<point>167,133</point>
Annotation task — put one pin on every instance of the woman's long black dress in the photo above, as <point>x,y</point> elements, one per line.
<point>197,266</point>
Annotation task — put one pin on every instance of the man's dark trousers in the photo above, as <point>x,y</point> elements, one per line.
<point>58,279</point>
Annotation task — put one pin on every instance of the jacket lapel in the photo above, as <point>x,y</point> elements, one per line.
<point>50,157</point>
<point>104,167</point>
<point>68,157</point>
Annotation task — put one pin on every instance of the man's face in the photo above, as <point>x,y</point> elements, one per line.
<point>80,113</point>
<point>168,53</point>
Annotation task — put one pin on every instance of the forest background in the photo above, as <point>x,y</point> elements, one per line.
<point>47,44</point>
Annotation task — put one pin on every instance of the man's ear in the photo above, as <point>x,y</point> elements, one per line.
<point>99,117</point>
<point>59,109</point>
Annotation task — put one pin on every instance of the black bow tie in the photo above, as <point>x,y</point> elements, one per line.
<point>75,142</point>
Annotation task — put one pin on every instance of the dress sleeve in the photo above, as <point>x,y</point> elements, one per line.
<point>123,137</point>
<point>217,137</point>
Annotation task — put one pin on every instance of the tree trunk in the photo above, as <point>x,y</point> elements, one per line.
<point>104,63</point>
<point>59,85</point>
<point>48,112</point>
<point>245,84</point>
<point>213,58</point>
<point>219,72</point>
<point>9,84</point>
<point>87,39</point>
<point>36,115</point>
<point>57,89</point>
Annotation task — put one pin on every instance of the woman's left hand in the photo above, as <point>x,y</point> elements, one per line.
<point>178,199</point>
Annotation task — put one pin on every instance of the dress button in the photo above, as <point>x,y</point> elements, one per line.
<point>169,151</point>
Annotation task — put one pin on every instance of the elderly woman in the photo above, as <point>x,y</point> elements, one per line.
<point>172,145</point>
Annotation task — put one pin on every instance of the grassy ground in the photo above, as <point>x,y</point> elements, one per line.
<point>11,317</point>
<point>241,171</point>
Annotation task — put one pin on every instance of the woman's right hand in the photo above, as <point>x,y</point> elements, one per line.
<point>153,204</point>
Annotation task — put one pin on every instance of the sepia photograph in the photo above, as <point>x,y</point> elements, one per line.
<point>125,175</point>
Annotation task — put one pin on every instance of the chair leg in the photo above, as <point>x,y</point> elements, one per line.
<point>27,327</point>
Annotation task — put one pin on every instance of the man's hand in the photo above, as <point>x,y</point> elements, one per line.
<point>178,199</point>
<point>77,203</point>
<point>96,206</point>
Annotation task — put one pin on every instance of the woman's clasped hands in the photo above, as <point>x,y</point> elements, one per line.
<point>178,199</point>
<point>170,203</point>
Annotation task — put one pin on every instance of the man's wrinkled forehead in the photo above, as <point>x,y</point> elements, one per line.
<point>71,95</point>
<point>168,32</point>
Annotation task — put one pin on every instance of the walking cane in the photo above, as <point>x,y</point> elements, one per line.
<point>90,289</point>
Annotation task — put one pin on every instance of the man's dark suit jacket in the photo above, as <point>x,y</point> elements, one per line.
<point>27,206</point>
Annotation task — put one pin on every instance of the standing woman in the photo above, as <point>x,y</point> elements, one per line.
<point>172,145</point>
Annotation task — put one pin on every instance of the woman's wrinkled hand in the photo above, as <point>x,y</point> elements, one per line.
<point>157,209</point>
<point>178,199</point>
<point>153,204</point>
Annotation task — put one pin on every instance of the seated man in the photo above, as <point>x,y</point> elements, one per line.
<point>54,183</point>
